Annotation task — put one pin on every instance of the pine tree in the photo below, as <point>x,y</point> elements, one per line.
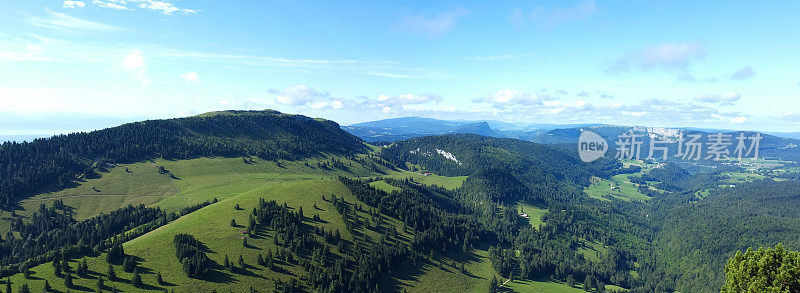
<point>112,276</point>
<point>227,263</point>
<point>82,268</point>
<point>85,267</point>
<point>47,287</point>
<point>159,279</point>
<point>241,263</point>
<point>8,284</point>
<point>244,241</point>
<point>68,280</point>
<point>493,285</point>
<point>100,284</point>
<point>260,260</point>
<point>129,265</point>
<point>24,288</point>
<point>65,266</point>
<point>137,278</point>
<point>601,287</point>
<point>587,284</point>
<point>57,267</point>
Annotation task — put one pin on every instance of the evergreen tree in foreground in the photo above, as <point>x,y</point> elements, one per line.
<point>763,270</point>
<point>112,276</point>
<point>137,278</point>
<point>493,285</point>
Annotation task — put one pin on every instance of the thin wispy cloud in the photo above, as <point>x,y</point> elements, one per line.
<point>300,95</point>
<point>436,25</point>
<point>62,21</point>
<point>549,17</point>
<point>378,68</point>
<point>501,57</point>
<point>264,60</point>
<point>793,116</point>
<point>73,4</point>
<point>19,49</point>
<point>722,99</point>
<point>744,73</point>
<point>390,75</point>
<point>668,57</point>
<point>165,7</point>
<point>111,4</point>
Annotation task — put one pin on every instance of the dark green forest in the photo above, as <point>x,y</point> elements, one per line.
<point>57,161</point>
<point>674,241</point>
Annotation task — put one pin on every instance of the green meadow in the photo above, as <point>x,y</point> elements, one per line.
<point>242,182</point>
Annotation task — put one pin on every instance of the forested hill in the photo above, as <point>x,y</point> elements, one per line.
<point>546,172</point>
<point>464,154</point>
<point>57,161</point>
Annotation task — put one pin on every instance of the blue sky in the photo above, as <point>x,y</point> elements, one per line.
<point>82,65</point>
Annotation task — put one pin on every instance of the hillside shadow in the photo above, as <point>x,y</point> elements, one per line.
<point>217,274</point>
<point>79,288</point>
<point>409,272</point>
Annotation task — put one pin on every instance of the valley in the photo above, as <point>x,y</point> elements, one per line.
<point>449,213</point>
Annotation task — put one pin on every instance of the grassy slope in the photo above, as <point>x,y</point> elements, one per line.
<point>235,182</point>
<point>198,180</point>
<point>535,214</point>
<point>601,188</point>
<point>433,179</point>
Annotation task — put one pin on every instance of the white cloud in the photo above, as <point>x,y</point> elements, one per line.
<point>112,4</point>
<point>305,96</point>
<point>670,57</point>
<point>793,117</point>
<point>73,4</point>
<point>738,120</point>
<point>408,99</point>
<point>744,73</point>
<point>436,25</point>
<point>61,21</point>
<point>508,97</point>
<point>191,77</point>
<point>723,99</point>
<point>135,65</point>
<point>166,8</point>
<point>299,95</point>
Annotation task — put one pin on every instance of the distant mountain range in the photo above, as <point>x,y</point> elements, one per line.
<point>410,127</point>
<point>773,145</point>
